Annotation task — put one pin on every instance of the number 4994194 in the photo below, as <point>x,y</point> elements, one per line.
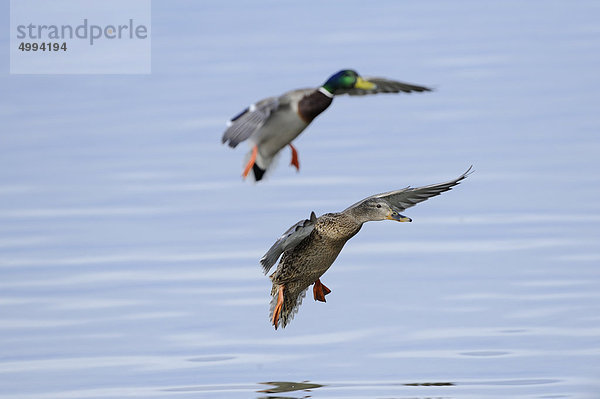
<point>43,46</point>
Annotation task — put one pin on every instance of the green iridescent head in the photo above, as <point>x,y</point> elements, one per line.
<point>345,80</point>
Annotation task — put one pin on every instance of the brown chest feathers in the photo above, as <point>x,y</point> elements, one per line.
<point>312,105</point>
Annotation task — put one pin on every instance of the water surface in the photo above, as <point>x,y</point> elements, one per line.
<point>129,245</point>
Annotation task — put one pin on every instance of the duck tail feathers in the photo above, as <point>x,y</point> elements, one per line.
<point>261,167</point>
<point>291,303</point>
<point>258,172</point>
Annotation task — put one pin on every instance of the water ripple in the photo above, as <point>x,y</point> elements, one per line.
<point>19,324</point>
<point>139,362</point>
<point>83,212</point>
<point>6,243</point>
<point>455,246</point>
<point>207,340</point>
<point>145,257</point>
<point>225,274</point>
<point>452,333</point>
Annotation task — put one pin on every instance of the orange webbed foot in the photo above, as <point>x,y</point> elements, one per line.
<point>295,161</point>
<point>278,307</point>
<point>250,162</point>
<point>319,291</point>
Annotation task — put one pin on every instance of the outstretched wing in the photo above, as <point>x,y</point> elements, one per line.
<point>409,196</point>
<point>383,85</point>
<point>292,237</point>
<point>243,125</point>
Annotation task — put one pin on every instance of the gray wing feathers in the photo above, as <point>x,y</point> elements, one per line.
<point>292,237</point>
<point>243,125</point>
<point>409,196</point>
<point>383,85</point>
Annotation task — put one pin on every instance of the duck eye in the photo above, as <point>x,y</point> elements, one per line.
<point>378,205</point>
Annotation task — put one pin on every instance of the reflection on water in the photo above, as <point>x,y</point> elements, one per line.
<point>283,386</point>
<point>129,243</point>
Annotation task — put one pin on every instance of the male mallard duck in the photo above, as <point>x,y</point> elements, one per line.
<point>311,246</point>
<point>275,122</point>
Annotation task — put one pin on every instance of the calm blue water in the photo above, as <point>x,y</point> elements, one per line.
<point>129,245</point>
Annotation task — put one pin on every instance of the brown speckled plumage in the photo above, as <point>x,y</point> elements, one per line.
<point>303,265</point>
<point>310,247</point>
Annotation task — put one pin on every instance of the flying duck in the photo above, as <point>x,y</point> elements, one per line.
<point>310,247</point>
<point>273,123</point>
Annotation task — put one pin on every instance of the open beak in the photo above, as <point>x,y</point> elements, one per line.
<point>398,217</point>
<point>364,84</point>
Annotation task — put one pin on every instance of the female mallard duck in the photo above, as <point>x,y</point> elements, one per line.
<point>275,122</point>
<point>311,246</point>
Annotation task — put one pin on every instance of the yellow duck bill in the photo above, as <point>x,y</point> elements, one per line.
<point>398,217</point>
<point>364,84</point>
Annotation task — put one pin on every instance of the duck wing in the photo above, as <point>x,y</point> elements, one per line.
<point>410,196</point>
<point>383,85</point>
<point>292,237</point>
<point>244,124</point>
